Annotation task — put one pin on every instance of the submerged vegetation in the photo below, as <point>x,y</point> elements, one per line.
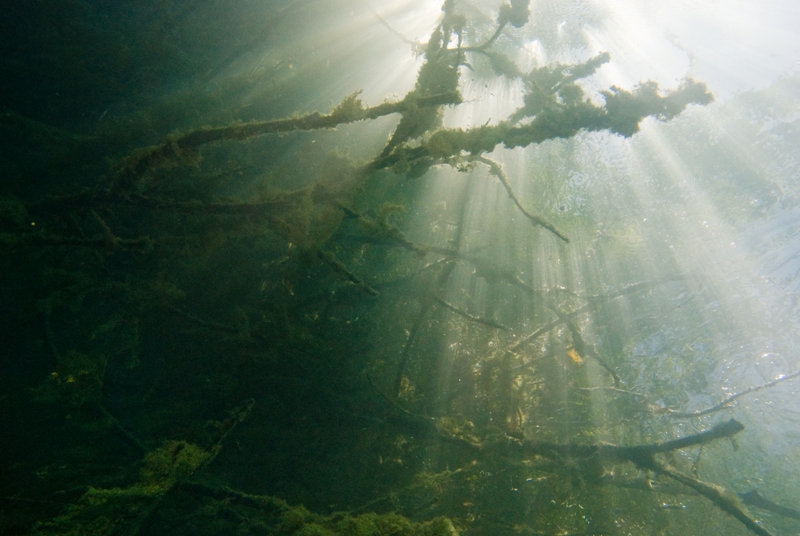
<point>216,346</point>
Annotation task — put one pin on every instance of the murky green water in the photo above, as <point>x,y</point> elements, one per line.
<point>301,267</point>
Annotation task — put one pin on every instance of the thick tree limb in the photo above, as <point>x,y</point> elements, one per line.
<point>349,111</point>
<point>754,499</point>
<point>721,498</point>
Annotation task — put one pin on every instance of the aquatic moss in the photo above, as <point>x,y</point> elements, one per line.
<point>173,462</point>
<point>298,521</point>
<point>78,380</point>
<point>450,142</point>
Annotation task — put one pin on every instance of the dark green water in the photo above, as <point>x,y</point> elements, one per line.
<point>313,268</point>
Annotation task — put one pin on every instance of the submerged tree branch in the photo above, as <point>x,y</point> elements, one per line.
<point>339,267</point>
<point>412,335</point>
<point>753,498</point>
<point>644,457</point>
<point>349,111</point>
<point>595,301</point>
<point>584,349</point>
<point>726,403</point>
<point>497,170</point>
<point>468,316</point>
<point>721,498</point>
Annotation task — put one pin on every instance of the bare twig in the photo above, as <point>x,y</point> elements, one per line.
<point>726,403</point>
<point>497,170</point>
<point>412,335</point>
<point>339,267</point>
<point>468,316</point>
<point>594,302</point>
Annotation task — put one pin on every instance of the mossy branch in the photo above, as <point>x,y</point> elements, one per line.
<point>125,511</point>
<point>621,114</point>
<point>350,110</point>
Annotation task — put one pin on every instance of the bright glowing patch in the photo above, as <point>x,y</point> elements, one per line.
<point>575,356</point>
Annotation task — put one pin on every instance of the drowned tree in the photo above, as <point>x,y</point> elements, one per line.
<point>218,346</point>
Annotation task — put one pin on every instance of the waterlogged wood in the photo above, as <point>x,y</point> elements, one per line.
<point>753,498</point>
<point>349,111</point>
<point>642,456</point>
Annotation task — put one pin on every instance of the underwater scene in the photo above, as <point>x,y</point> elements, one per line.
<point>399,268</point>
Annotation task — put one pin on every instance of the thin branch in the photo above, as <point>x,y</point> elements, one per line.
<point>339,267</point>
<point>468,316</point>
<point>594,302</point>
<point>726,403</point>
<point>400,36</point>
<point>584,349</point>
<point>613,390</point>
<point>382,230</point>
<point>204,323</point>
<point>111,240</point>
<point>487,44</point>
<point>412,335</point>
<point>496,170</point>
